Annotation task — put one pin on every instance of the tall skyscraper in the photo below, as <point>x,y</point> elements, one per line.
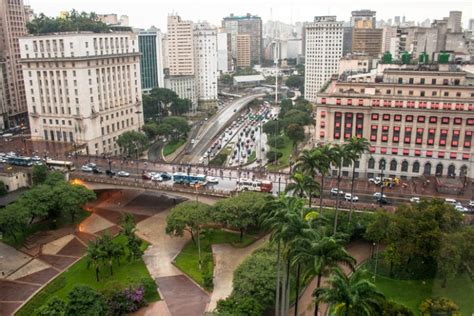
<point>324,38</point>
<point>250,25</point>
<point>83,88</point>
<point>205,61</point>
<point>347,40</point>
<point>13,26</point>
<point>244,51</point>
<point>3,95</point>
<point>224,57</point>
<point>151,62</point>
<point>180,47</point>
<point>365,37</point>
<point>454,21</point>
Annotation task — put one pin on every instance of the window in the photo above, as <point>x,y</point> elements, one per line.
<point>397,117</point>
<point>409,118</point>
<point>445,120</point>
<point>371,163</point>
<point>433,119</point>
<point>405,166</point>
<point>393,165</point>
<point>416,166</point>
<point>433,81</point>
<point>457,121</point>
<point>421,119</point>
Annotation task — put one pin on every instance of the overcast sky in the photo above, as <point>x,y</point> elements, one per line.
<point>144,13</point>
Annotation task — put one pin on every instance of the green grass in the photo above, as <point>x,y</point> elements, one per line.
<point>171,146</point>
<point>286,151</point>
<point>126,273</point>
<point>188,259</point>
<point>63,221</point>
<point>413,292</point>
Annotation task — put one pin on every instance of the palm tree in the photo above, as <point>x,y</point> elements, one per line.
<point>350,295</point>
<point>303,185</point>
<point>111,251</point>
<point>339,154</point>
<point>323,253</point>
<point>324,165</point>
<point>357,147</point>
<point>95,255</point>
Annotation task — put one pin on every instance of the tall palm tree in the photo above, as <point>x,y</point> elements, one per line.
<point>350,295</point>
<point>95,255</point>
<point>339,154</point>
<point>324,165</point>
<point>323,254</point>
<point>357,147</point>
<point>302,186</point>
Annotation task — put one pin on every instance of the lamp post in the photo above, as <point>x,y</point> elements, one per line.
<point>382,168</point>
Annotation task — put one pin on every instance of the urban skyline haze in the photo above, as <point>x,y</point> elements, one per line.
<point>288,11</point>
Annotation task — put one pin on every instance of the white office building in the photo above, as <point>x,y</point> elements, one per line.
<point>205,61</point>
<point>223,52</point>
<point>82,88</point>
<point>323,44</point>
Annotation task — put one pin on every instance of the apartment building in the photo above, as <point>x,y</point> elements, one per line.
<point>205,61</point>
<point>244,55</point>
<point>3,97</point>
<point>180,47</point>
<point>323,50</point>
<point>224,56</point>
<point>419,120</point>
<point>82,88</point>
<point>151,62</point>
<point>366,38</point>
<point>12,27</point>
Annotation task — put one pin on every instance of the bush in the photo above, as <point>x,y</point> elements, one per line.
<point>239,306</point>
<point>276,141</point>
<point>122,301</point>
<point>54,307</point>
<point>207,272</point>
<point>149,285</point>
<point>272,154</point>
<point>439,306</point>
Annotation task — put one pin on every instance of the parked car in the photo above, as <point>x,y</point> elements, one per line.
<point>86,168</point>
<point>91,165</point>
<point>349,197</point>
<point>378,195</point>
<point>123,174</point>
<point>415,199</point>
<point>157,178</point>
<point>471,203</point>
<point>461,208</point>
<point>334,191</point>
<point>452,202</point>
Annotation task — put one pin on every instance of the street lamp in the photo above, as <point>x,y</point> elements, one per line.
<point>382,168</point>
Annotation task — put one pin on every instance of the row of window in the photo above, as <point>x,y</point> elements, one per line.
<point>405,104</point>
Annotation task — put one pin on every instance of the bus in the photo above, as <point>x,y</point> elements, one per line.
<point>20,161</point>
<point>60,165</point>
<point>254,185</point>
<point>184,178</point>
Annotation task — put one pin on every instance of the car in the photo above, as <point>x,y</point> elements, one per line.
<point>461,208</point>
<point>157,178</point>
<point>212,180</point>
<point>471,203</point>
<point>334,191</point>
<point>383,201</point>
<point>37,163</point>
<point>235,110</point>
<point>415,199</point>
<point>378,195</point>
<point>166,176</point>
<point>201,160</point>
<point>375,180</point>
<point>192,141</point>
<point>452,202</point>
<point>146,176</point>
<point>36,158</point>
<point>123,174</point>
<point>91,165</point>
<point>348,196</point>
<point>96,170</point>
<point>110,173</point>
<point>86,168</point>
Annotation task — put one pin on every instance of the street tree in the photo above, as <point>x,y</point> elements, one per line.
<point>296,133</point>
<point>71,198</point>
<point>179,126</point>
<point>180,106</point>
<point>39,174</point>
<point>187,216</point>
<point>303,186</point>
<point>110,251</point>
<point>296,82</point>
<point>132,142</point>
<point>40,202</point>
<point>13,220</point>
<point>95,256</point>
<point>84,301</point>
<point>151,130</point>
<point>55,177</point>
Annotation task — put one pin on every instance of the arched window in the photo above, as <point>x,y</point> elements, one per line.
<point>382,164</point>
<point>427,169</point>
<point>451,171</point>
<point>439,170</point>
<point>416,167</point>
<point>405,166</point>
<point>371,163</point>
<point>393,165</point>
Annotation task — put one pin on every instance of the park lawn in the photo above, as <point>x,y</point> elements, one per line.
<point>412,292</point>
<point>78,273</point>
<point>188,259</point>
<point>286,151</point>
<point>62,221</point>
<point>171,146</point>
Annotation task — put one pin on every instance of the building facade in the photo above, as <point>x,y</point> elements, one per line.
<point>151,62</point>
<point>224,56</point>
<point>185,88</point>
<point>250,25</point>
<point>244,51</point>
<point>324,38</point>
<point>205,61</point>
<point>3,98</point>
<point>419,121</point>
<point>12,27</point>
<point>180,47</point>
<point>83,88</point>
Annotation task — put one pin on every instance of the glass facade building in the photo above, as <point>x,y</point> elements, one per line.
<point>151,63</point>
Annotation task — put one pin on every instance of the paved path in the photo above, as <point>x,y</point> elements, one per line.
<point>227,258</point>
<point>359,250</point>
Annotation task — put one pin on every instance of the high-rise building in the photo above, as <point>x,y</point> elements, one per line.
<point>3,99</point>
<point>13,26</point>
<point>347,40</point>
<point>389,32</point>
<point>224,55</point>
<point>244,54</point>
<point>205,61</point>
<point>419,121</point>
<point>151,62</point>
<point>250,25</point>
<point>180,47</point>
<point>454,21</point>
<point>324,38</point>
<point>471,25</point>
<point>184,87</point>
<point>83,88</point>
<point>366,39</point>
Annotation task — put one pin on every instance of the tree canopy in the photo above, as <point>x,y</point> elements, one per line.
<point>161,102</point>
<point>73,21</point>
<point>132,142</point>
<point>187,216</point>
<point>84,301</point>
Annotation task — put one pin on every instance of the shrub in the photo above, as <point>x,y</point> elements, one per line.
<point>439,306</point>
<point>239,306</point>
<point>207,272</point>
<point>276,141</point>
<point>54,307</point>
<point>272,154</point>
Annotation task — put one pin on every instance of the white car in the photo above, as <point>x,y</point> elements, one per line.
<point>452,202</point>
<point>192,141</point>
<point>377,195</point>
<point>334,191</point>
<point>212,180</point>
<point>157,178</point>
<point>415,199</point>
<point>92,165</point>
<point>86,168</point>
<point>36,158</point>
<point>375,180</point>
<point>461,208</point>
<point>123,174</point>
<point>471,203</point>
<point>348,196</point>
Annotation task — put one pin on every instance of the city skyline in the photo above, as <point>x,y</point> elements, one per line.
<point>284,11</point>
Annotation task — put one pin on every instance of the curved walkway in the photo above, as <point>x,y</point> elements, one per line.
<point>359,250</point>
<point>227,258</point>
